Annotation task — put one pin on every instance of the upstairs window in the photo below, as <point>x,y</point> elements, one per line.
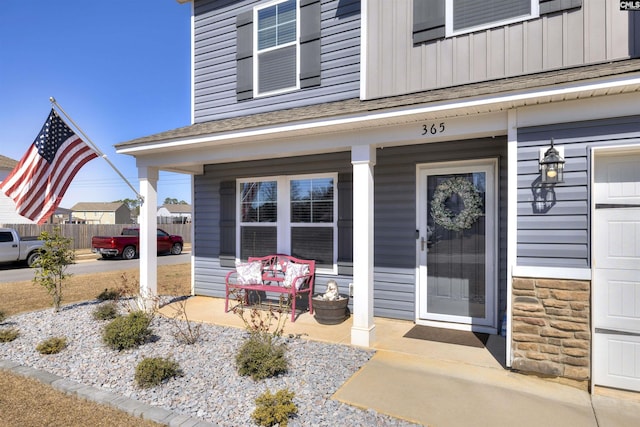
<point>465,16</point>
<point>437,19</point>
<point>276,47</point>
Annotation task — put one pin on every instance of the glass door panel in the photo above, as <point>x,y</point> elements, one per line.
<point>456,254</point>
<point>457,248</point>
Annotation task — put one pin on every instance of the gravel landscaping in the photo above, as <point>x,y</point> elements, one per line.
<point>210,388</point>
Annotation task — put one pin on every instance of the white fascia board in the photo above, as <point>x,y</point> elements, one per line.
<point>560,273</point>
<point>365,119</point>
<point>484,125</point>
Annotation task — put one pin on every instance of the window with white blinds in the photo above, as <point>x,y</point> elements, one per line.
<point>276,42</point>
<point>463,16</point>
<point>296,215</point>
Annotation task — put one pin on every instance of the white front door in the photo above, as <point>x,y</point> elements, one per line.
<point>456,246</point>
<point>616,274</point>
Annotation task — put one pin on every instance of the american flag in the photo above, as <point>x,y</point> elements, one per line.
<point>39,181</point>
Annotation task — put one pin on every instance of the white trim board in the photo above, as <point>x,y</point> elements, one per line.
<point>552,273</point>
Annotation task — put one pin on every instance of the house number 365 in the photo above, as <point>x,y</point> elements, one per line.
<point>433,128</point>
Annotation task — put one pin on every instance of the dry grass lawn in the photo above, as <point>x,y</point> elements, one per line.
<point>19,297</point>
<point>26,402</point>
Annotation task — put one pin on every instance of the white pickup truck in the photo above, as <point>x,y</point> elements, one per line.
<point>14,248</point>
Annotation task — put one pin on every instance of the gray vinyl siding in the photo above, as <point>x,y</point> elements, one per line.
<point>209,273</point>
<point>395,218</point>
<point>559,236</point>
<point>595,32</point>
<point>215,60</point>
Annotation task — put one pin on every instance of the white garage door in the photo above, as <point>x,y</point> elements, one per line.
<point>616,285</point>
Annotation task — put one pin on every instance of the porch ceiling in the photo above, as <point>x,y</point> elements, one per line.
<point>354,114</point>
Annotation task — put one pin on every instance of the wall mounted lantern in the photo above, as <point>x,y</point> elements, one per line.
<point>551,165</point>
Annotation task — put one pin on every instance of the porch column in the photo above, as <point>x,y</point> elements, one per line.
<point>363,159</point>
<point>512,221</point>
<point>148,232</point>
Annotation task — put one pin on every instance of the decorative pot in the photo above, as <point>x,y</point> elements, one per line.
<point>331,312</point>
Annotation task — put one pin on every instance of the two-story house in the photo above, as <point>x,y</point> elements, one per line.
<point>406,146</point>
<point>101,213</point>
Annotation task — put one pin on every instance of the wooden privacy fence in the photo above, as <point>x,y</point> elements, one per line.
<point>81,233</point>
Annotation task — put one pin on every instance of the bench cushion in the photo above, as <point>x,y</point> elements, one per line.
<point>249,273</point>
<point>294,270</point>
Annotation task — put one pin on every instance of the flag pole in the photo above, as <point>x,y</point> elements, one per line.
<point>95,148</point>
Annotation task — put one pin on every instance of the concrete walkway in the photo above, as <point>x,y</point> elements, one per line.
<point>445,385</point>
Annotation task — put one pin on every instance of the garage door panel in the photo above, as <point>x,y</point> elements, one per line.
<point>618,300</point>
<point>616,271</point>
<point>617,238</point>
<point>618,360</point>
<point>617,179</point>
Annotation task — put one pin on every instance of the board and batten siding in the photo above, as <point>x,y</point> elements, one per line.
<point>215,61</point>
<point>556,233</point>
<point>595,32</point>
<point>395,218</point>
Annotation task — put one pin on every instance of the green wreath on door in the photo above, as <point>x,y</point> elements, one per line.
<point>470,197</point>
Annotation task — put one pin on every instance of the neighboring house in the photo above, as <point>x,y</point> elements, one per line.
<point>174,214</point>
<point>101,213</point>
<point>8,213</point>
<point>61,216</point>
<point>398,143</point>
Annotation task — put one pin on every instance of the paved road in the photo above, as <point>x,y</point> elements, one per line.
<point>18,273</point>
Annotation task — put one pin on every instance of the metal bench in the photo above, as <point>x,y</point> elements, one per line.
<point>281,274</point>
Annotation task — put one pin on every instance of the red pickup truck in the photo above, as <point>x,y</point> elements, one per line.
<point>127,244</point>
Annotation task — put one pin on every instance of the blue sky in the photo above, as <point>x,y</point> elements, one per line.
<point>119,68</point>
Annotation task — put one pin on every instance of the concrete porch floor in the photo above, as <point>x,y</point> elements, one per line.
<point>437,384</point>
<point>389,334</point>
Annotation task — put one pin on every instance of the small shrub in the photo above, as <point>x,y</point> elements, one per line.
<point>52,345</point>
<point>108,295</point>
<point>8,334</point>
<point>131,299</point>
<point>270,321</point>
<point>3,316</point>
<point>153,371</point>
<point>51,266</point>
<point>106,311</point>
<point>272,409</point>
<point>185,331</point>
<point>127,331</point>
<point>261,357</point>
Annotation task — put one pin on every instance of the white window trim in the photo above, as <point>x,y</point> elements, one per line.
<point>449,32</point>
<point>256,69</point>
<point>283,224</point>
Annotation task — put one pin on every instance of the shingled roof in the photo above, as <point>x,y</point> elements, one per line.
<point>177,208</point>
<point>357,106</point>
<point>96,207</point>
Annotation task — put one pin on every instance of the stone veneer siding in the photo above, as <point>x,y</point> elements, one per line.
<point>551,333</point>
